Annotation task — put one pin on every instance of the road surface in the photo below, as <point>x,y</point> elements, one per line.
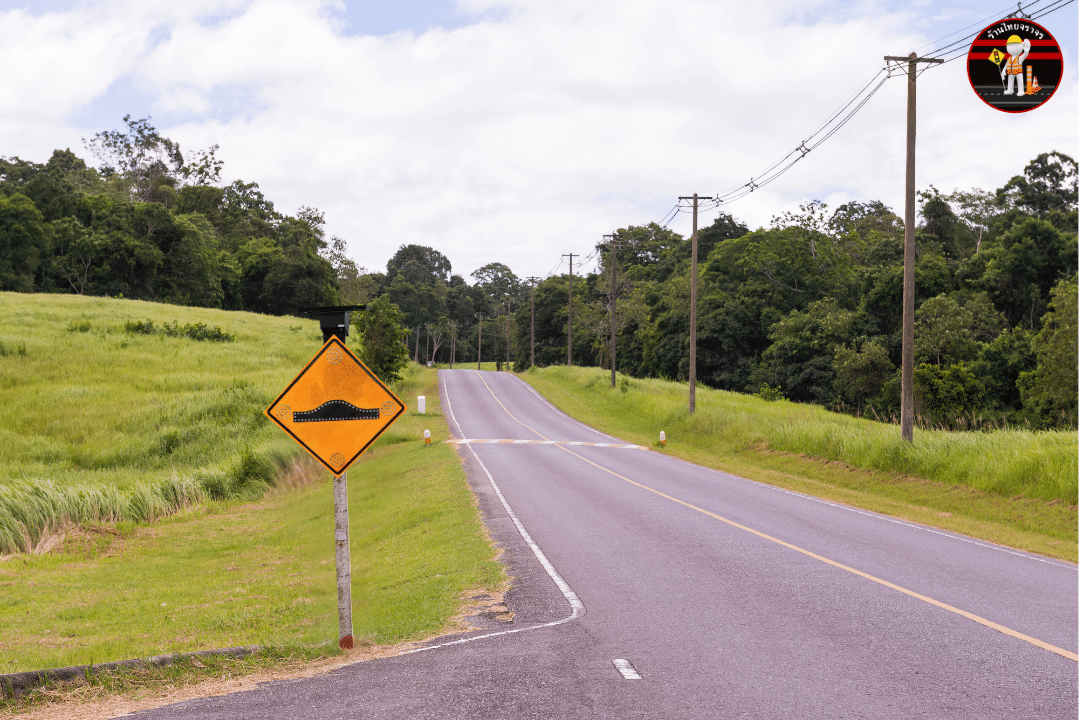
<point>647,587</point>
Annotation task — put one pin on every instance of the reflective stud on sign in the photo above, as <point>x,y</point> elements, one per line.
<point>336,407</point>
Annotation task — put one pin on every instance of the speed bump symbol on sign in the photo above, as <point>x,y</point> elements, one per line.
<point>336,407</point>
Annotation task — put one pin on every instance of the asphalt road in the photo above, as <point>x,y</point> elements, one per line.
<point>719,598</point>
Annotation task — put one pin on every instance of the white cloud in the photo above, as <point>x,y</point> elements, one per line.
<point>522,138</point>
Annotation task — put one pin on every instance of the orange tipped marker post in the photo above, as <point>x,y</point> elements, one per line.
<point>427,437</point>
<point>663,439</point>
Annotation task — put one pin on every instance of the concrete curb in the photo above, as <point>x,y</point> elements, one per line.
<point>15,684</point>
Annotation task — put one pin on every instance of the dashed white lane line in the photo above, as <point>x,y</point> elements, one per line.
<point>489,441</point>
<point>626,669</point>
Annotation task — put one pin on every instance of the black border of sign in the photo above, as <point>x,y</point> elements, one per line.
<point>335,341</point>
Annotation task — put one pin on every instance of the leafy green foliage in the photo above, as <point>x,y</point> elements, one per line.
<point>150,225</point>
<point>194,331</point>
<point>945,396</point>
<point>1051,389</point>
<point>382,338</point>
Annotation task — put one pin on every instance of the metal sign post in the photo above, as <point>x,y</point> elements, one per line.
<point>335,409</point>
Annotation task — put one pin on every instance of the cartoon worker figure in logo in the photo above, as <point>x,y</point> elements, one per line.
<point>1018,52</point>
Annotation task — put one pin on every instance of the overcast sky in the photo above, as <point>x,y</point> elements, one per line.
<point>516,131</point>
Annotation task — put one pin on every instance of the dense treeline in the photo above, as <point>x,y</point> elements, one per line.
<point>808,308</point>
<point>150,226</point>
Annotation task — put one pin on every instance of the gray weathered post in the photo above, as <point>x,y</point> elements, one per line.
<point>342,560</point>
<point>907,351</point>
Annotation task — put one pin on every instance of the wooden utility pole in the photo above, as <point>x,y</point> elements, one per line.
<point>611,301</point>
<point>479,338</point>
<point>693,306</point>
<point>570,315</point>
<point>532,320</point>
<point>907,370</point>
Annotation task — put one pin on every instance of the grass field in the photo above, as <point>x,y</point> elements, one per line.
<point>1014,487</point>
<point>113,416</point>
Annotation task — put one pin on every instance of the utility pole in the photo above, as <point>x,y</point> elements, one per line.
<point>693,305</point>
<point>532,321</point>
<point>907,371</point>
<point>611,301</point>
<point>479,338</point>
<point>570,315</point>
<point>453,342</point>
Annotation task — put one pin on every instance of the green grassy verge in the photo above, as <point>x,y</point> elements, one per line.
<point>1013,487</point>
<point>84,419</point>
<point>101,421</point>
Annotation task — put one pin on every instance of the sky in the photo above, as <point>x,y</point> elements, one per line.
<point>519,131</point>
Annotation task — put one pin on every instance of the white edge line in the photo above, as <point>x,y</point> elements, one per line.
<point>578,608</point>
<point>879,516</point>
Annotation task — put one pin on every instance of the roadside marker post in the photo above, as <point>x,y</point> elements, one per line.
<point>336,408</point>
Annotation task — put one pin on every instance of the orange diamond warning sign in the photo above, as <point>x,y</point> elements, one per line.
<point>335,407</point>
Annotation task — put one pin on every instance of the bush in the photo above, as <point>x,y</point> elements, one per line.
<point>194,331</point>
<point>944,397</point>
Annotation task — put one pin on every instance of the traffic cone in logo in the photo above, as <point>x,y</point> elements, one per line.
<point>1035,85</point>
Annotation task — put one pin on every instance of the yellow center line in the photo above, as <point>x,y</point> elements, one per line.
<point>970,616</point>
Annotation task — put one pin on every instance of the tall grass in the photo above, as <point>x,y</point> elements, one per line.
<point>32,511</point>
<point>1008,462</point>
<point>99,423</point>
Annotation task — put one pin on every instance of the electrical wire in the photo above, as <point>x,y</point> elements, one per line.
<point>959,48</point>
<point>843,115</point>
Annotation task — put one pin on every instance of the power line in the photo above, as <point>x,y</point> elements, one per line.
<point>855,102</point>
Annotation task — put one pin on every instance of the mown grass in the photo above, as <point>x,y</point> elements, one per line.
<point>191,567</point>
<point>1010,486</point>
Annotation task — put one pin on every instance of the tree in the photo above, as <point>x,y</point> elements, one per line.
<point>976,208</point>
<point>1051,390</point>
<point>942,226</point>
<point>641,245</point>
<point>419,264</point>
<point>1049,183</point>
<point>944,395</point>
<point>999,366</point>
<point>865,220</point>
<point>861,374</point>
<point>77,250</point>
<point>498,282</point>
<point>947,331</point>
<point>347,272</point>
<point>190,274</point>
<point>22,239</point>
<point>382,339</point>
<point>145,160</point>
<point>800,359</point>
<point>243,214</point>
<point>1019,269</point>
